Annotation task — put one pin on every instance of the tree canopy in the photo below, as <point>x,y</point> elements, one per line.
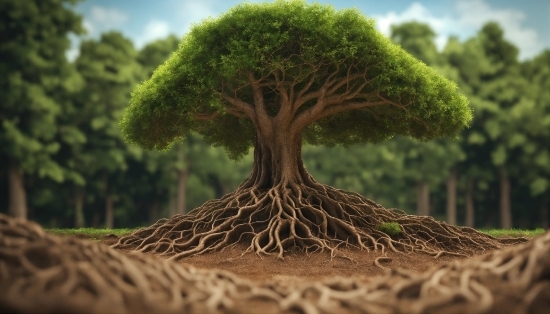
<point>331,71</point>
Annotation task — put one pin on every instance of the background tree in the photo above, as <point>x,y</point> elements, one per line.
<point>34,72</point>
<point>268,76</point>
<point>110,71</point>
<point>533,116</point>
<point>428,163</point>
<point>489,69</point>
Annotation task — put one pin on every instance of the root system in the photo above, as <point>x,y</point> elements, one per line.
<point>42,273</point>
<point>310,218</point>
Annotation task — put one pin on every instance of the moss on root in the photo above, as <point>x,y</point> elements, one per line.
<point>390,228</point>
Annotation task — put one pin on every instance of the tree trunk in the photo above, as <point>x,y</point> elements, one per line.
<point>109,212</point>
<point>422,199</point>
<point>545,212</point>
<point>470,211</point>
<point>183,176</point>
<point>17,206</point>
<point>451,198</point>
<point>109,215</point>
<point>172,204</point>
<point>154,211</point>
<point>79,219</point>
<point>278,161</point>
<point>505,208</point>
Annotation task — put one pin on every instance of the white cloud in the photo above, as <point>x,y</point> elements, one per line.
<point>469,17</point>
<point>154,29</point>
<point>192,11</point>
<point>103,19</point>
<point>475,13</point>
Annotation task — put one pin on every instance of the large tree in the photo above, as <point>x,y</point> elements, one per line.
<point>35,72</point>
<point>273,76</point>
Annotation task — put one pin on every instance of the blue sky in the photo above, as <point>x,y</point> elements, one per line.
<point>526,23</point>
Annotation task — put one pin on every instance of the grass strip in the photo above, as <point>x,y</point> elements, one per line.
<point>96,234</point>
<point>513,233</point>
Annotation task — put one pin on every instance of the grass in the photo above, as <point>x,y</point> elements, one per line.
<point>391,229</point>
<point>501,233</point>
<point>95,234</point>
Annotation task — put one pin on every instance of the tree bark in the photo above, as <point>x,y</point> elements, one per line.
<point>79,219</point>
<point>451,198</point>
<point>505,207</point>
<point>17,206</point>
<point>470,210</point>
<point>109,212</point>
<point>422,199</point>
<point>277,160</point>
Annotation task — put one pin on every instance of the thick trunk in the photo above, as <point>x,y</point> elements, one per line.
<point>422,199</point>
<point>109,214</point>
<point>505,208</point>
<point>470,204</point>
<point>18,198</point>
<point>183,176</point>
<point>277,160</point>
<point>451,198</point>
<point>79,220</point>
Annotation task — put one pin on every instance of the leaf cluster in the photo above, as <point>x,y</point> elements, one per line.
<point>290,42</point>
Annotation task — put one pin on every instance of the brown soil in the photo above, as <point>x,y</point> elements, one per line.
<point>316,266</point>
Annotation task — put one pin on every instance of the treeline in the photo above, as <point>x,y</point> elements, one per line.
<point>64,163</point>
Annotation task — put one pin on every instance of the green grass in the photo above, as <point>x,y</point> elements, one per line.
<point>390,228</point>
<point>501,233</point>
<point>96,234</point>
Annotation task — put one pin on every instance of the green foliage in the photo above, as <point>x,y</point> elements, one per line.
<point>35,76</point>
<point>299,40</point>
<point>390,228</point>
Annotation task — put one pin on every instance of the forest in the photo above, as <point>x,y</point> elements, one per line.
<point>64,162</point>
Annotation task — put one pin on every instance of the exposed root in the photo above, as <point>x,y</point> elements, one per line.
<point>49,274</point>
<point>310,218</point>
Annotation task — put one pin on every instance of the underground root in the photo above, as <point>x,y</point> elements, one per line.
<point>308,218</point>
<point>43,273</point>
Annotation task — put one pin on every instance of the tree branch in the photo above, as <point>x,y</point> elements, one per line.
<point>261,116</point>
<point>239,106</point>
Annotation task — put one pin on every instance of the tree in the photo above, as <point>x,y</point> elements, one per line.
<point>275,75</point>
<point>488,66</point>
<point>34,71</point>
<point>533,116</point>
<point>428,163</point>
<point>110,71</point>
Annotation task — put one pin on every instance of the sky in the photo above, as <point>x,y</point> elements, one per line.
<point>526,23</point>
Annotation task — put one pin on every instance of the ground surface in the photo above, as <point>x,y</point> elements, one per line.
<point>297,267</point>
<point>45,273</point>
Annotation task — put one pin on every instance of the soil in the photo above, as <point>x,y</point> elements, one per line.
<point>299,267</point>
<point>44,273</point>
